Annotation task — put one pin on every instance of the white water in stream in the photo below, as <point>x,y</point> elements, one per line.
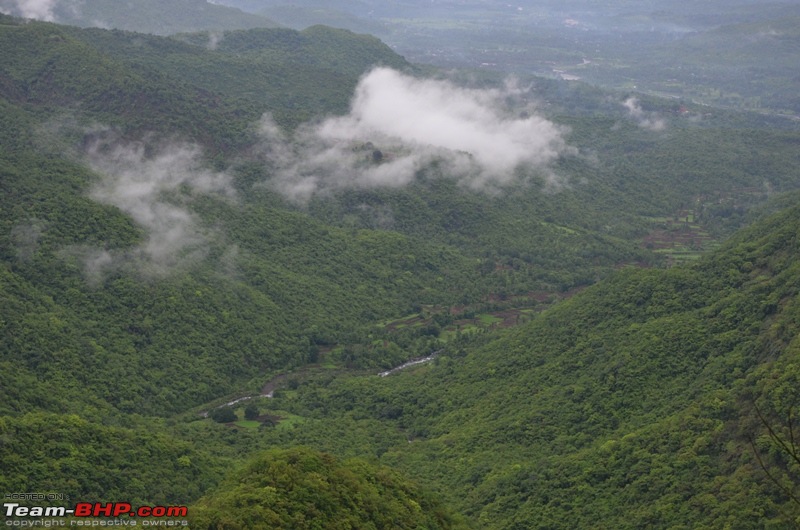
<point>269,394</point>
<point>414,362</point>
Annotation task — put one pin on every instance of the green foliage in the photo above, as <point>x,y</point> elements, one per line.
<point>50,68</point>
<point>294,75</point>
<point>93,462</point>
<point>251,411</point>
<point>631,403</point>
<point>302,489</point>
<point>186,338</point>
<point>223,415</point>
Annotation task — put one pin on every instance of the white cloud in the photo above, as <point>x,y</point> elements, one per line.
<point>25,238</point>
<point>214,38</point>
<point>646,120</point>
<point>154,189</point>
<point>413,122</point>
<point>38,9</point>
<point>47,10</point>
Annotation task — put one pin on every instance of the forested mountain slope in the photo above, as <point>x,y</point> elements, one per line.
<point>645,401</point>
<point>349,494</point>
<point>140,278</point>
<point>143,83</point>
<point>154,268</point>
<point>246,283</point>
<point>295,75</point>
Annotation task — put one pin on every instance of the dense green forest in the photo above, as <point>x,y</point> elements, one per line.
<point>633,403</point>
<point>605,352</point>
<point>274,490</point>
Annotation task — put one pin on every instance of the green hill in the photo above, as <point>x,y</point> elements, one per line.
<point>152,270</point>
<point>144,83</point>
<point>95,460</point>
<point>299,488</point>
<point>632,404</point>
<point>288,272</point>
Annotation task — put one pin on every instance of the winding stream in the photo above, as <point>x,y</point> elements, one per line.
<point>268,390</point>
<point>412,362</point>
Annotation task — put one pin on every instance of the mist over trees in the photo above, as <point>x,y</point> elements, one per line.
<point>291,279</point>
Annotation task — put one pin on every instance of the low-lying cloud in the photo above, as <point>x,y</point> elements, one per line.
<point>646,120</point>
<point>398,124</point>
<point>25,238</point>
<point>37,9</point>
<point>155,189</point>
<point>214,38</point>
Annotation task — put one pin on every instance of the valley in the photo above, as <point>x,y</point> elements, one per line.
<point>291,278</point>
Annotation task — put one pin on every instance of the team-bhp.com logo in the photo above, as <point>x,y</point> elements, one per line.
<point>116,514</point>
